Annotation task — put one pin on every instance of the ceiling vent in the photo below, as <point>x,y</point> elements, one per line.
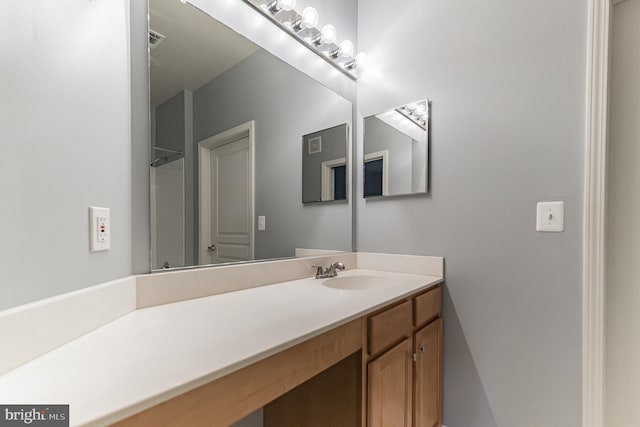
<point>155,39</point>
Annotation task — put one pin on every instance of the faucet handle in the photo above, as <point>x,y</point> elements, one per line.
<point>319,270</point>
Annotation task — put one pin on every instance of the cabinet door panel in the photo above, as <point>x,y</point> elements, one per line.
<point>389,388</point>
<point>428,380</point>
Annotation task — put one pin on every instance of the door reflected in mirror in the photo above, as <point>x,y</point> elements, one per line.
<point>396,151</point>
<point>227,118</point>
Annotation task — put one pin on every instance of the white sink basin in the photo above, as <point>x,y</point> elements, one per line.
<point>356,283</point>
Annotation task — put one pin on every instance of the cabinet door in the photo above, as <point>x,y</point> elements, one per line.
<point>428,375</point>
<point>389,388</point>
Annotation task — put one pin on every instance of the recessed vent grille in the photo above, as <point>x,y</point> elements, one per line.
<point>155,39</point>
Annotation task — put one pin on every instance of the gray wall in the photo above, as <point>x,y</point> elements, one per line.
<point>65,125</point>
<point>334,144</point>
<point>507,82</point>
<point>285,104</point>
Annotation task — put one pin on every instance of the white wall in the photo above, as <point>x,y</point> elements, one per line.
<point>66,144</point>
<point>623,251</point>
<point>507,84</point>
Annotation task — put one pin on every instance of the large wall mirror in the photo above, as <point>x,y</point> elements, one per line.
<point>228,125</point>
<point>396,151</point>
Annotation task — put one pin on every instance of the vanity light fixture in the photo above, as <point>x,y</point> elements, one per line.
<point>328,35</point>
<point>416,113</point>
<point>345,49</point>
<point>358,61</point>
<point>308,19</point>
<point>277,5</point>
<point>302,26</point>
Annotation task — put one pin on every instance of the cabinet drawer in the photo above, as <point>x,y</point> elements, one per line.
<point>389,327</point>
<point>428,306</point>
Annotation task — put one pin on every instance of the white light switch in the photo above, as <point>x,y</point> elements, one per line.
<point>261,223</point>
<point>550,217</point>
<point>99,229</point>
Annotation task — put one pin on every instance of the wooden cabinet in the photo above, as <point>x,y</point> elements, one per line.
<point>427,306</point>
<point>389,327</point>
<point>389,387</point>
<point>398,381</point>
<point>404,364</point>
<point>428,375</point>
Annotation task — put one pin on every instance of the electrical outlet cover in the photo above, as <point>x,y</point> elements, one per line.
<point>99,229</point>
<point>550,217</point>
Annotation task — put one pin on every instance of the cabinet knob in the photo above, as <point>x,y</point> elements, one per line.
<point>422,348</point>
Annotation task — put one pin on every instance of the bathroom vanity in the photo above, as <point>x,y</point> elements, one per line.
<point>381,369</point>
<point>209,346</point>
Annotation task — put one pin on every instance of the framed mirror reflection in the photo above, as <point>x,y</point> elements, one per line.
<point>396,151</point>
<point>325,165</point>
<point>227,121</point>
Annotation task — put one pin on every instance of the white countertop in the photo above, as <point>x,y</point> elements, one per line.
<point>153,354</point>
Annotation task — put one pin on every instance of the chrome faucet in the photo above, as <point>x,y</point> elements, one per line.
<point>330,271</point>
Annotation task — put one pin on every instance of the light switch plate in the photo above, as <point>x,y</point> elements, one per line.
<point>261,223</point>
<point>550,217</point>
<point>99,229</point>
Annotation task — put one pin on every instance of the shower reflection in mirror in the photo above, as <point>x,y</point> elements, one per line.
<point>396,151</point>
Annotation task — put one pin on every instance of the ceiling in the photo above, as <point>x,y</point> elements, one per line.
<point>197,48</point>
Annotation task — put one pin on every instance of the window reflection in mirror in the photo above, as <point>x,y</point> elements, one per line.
<point>396,151</point>
<point>227,120</point>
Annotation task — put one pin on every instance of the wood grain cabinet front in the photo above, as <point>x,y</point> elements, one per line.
<point>428,375</point>
<point>399,374</point>
<point>389,327</point>
<point>427,306</point>
<point>389,391</point>
<point>404,385</point>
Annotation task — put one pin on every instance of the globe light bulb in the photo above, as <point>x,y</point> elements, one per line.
<point>361,59</point>
<point>346,48</point>
<point>309,17</point>
<point>329,34</point>
<point>421,109</point>
<point>286,4</point>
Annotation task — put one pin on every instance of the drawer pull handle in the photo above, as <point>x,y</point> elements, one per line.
<point>422,348</point>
